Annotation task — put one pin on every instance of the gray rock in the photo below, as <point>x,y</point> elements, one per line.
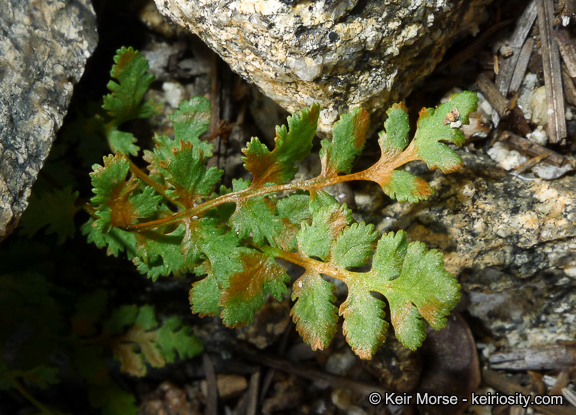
<point>43,49</point>
<point>511,241</point>
<point>340,53</point>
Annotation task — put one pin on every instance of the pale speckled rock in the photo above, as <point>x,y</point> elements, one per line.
<point>43,49</point>
<point>511,242</point>
<point>340,53</point>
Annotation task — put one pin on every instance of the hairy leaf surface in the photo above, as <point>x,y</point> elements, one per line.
<point>295,208</point>
<point>291,145</point>
<point>185,170</point>
<point>191,120</point>
<point>314,312</point>
<point>354,245</point>
<point>417,286</point>
<point>349,137</point>
<point>435,126</point>
<point>394,138</point>
<point>364,325</point>
<point>115,241</point>
<point>224,256</point>
<point>204,297</point>
<point>118,202</point>
<point>125,101</point>
<point>122,142</point>
<point>257,217</point>
<point>316,240</point>
<point>160,253</point>
<point>246,291</point>
<point>405,187</point>
<point>113,190</point>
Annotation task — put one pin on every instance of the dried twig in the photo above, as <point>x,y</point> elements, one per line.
<point>568,84</point>
<point>562,380</point>
<point>253,393</point>
<point>502,384</point>
<point>532,149</point>
<point>337,382</point>
<point>516,41</point>
<point>215,102</point>
<point>518,123</point>
<point>570,395</point>
<point>521,65</point>
<point>212,395</point>
<point>493,95</point>
<point>523,25</point>
<point>527,165</point>
<point>567,49</point>
<point>552,73</point>
<point>555,357</point>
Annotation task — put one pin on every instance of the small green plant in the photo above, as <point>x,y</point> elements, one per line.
<point>174,219</point>
<point>36,328</point>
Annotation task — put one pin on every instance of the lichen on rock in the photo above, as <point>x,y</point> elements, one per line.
<point>43,50</point>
